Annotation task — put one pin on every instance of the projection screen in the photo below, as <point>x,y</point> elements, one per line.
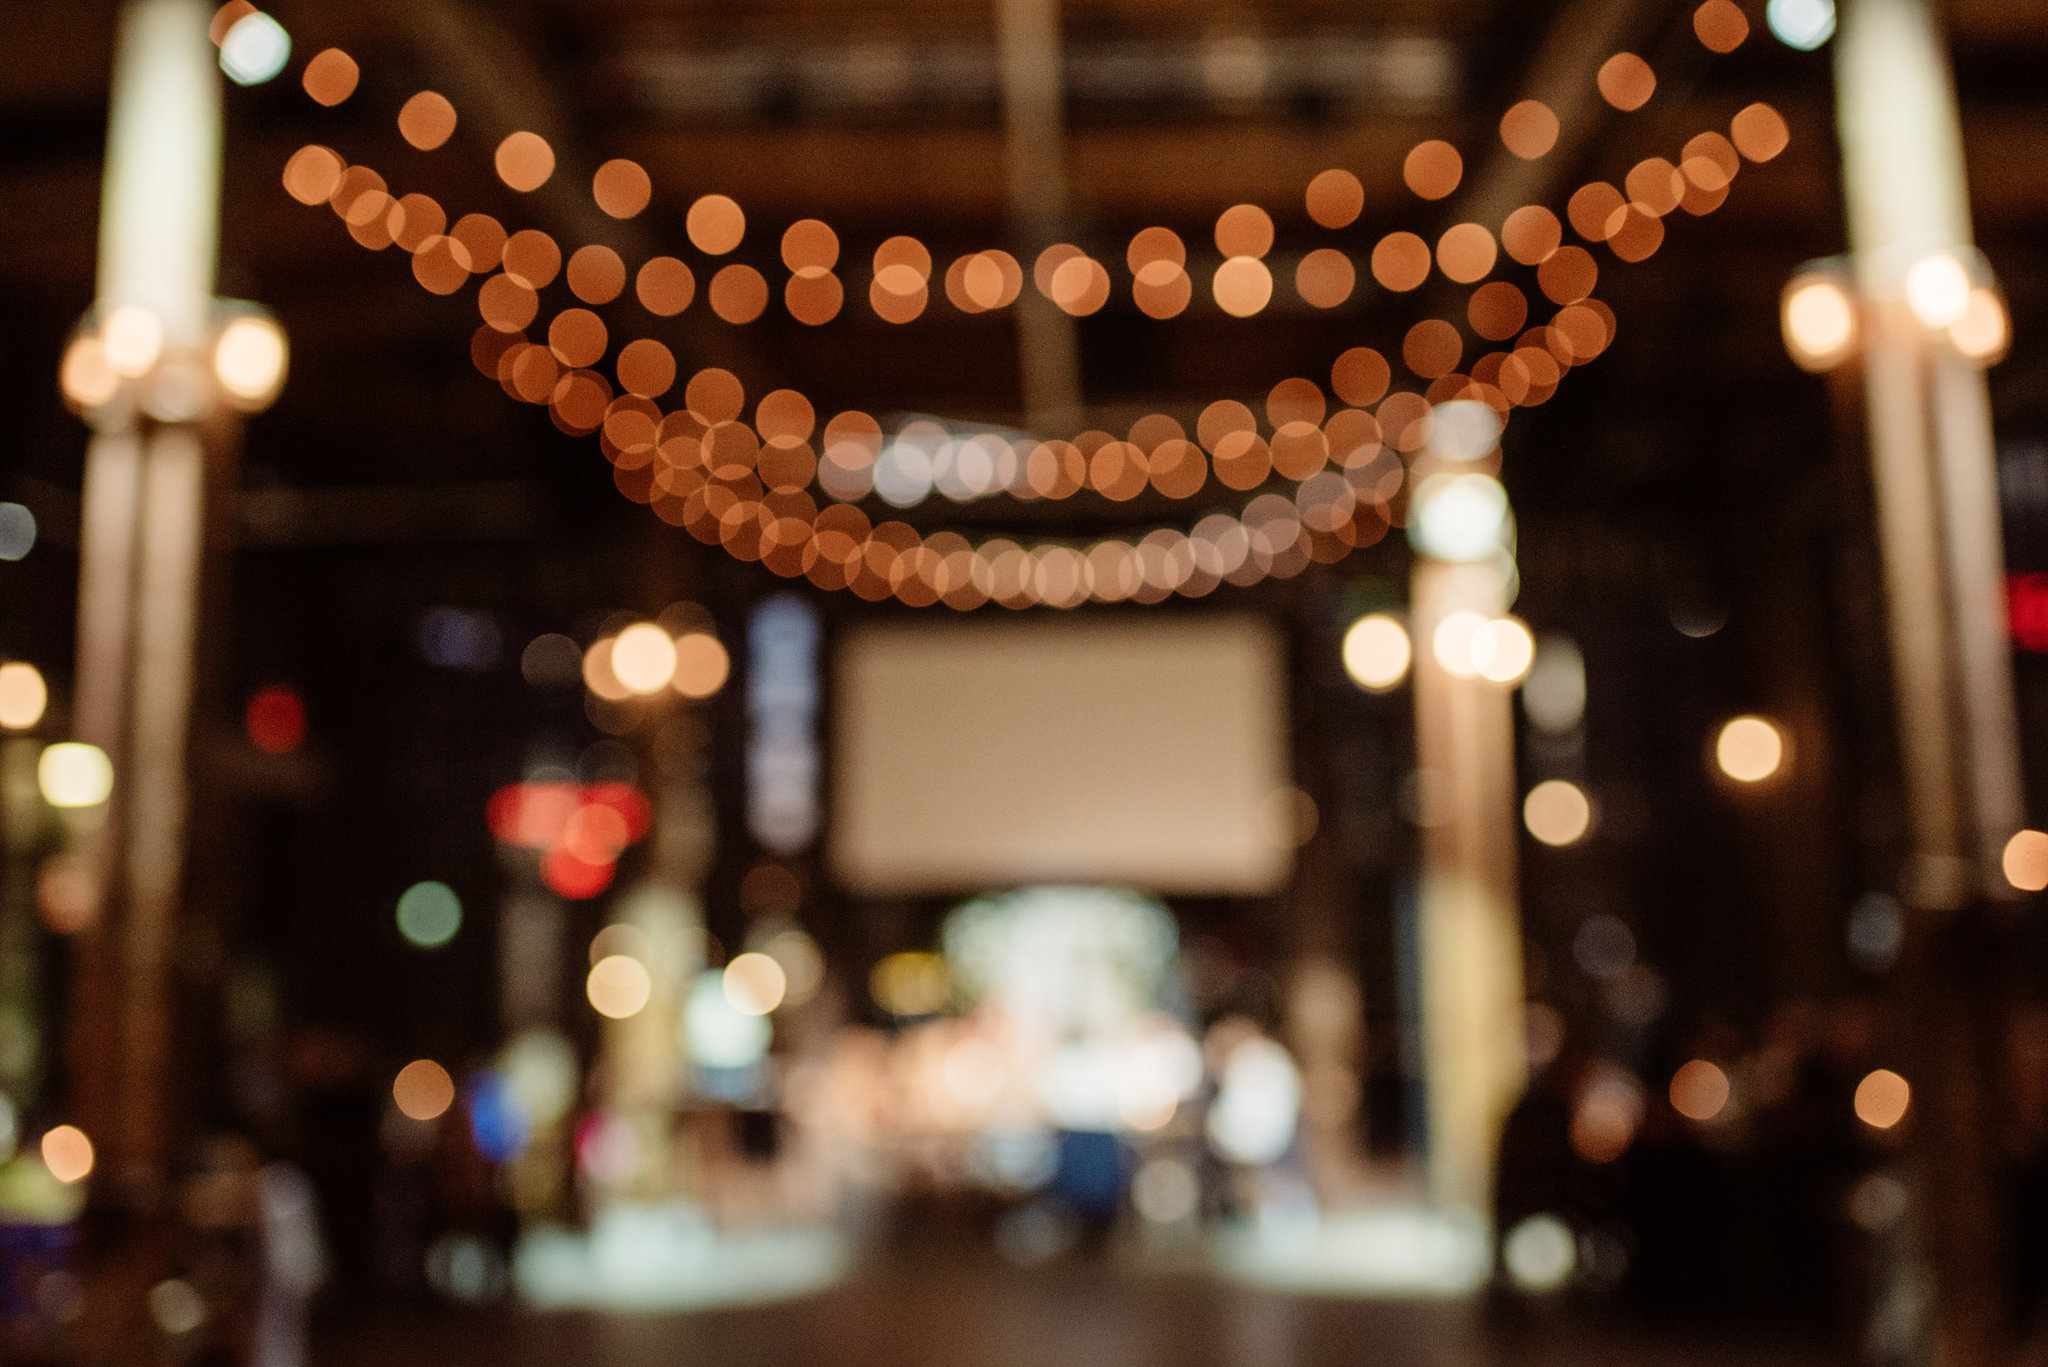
<point>1149,753</point>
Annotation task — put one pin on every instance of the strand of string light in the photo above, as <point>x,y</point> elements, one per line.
<point>746,487</point>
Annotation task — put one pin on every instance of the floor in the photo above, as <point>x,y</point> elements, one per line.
<point>962,1308</point>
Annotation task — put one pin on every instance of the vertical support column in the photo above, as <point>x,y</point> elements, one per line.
<point>1034,121</point>
<point>110,510</point>
<point>1469,922</point>
<point>165,627</point>
<point>141,534</point>
<point>643,1064</point>
<point>1966,454</point>
<point>1936,484</point>
<point>22,814</point>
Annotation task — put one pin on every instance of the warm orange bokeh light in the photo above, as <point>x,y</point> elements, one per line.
<point>1592,209</point>
<point>331,76</point>
<point>1432,348</point>
<point>715,224</point>
<point>1497,310</point>
<point>1401,262</point>
<point>621,188</point>
<point>423,1090</point>
<point>1759,132</point>
<point>596,275</point>
<point>665,286</point>
<point>312,174</point>
<point>810,247</point>
<point>2025,861</point>
<point>68,1154</point>
<point>1243,286</point>
<point>1626,81</point>
<point>1720,25</point>
<point>702,665</point>
<point>1568,276</point>
<point>533,258</point>
<point>483,237</point>
<point>646,367</point>
<point>1699,1090</point>
<point>1335,198</point>
<point>1244,230</point>
<point>577,337</point>
<point>1360,376</point>
<point>1433,169</point>
<point>525,161</point>
<point>1749,749</point>
<point>1466,252</point>
<point>738,294</point>
<point>1531,233</point>
<point>1529,129</point>
<point>427,120</point>
<point>1882,1099</point>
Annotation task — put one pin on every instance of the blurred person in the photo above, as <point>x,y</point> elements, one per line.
<point>293,1268</point>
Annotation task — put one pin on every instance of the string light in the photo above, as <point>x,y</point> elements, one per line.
<point>710,480</point>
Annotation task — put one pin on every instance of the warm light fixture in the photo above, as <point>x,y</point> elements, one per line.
<point>255,49</point>
<point>1503,650</point>
<point>1817,315</point>
<point>249,361</point>
<point>1749,749</point>
<point>1801,24</point>
<point>1557,812</point>
<point>1377,652</point>
<point>74,774</point>
<point>23,695</point>
<point>132,338</point>
<point>1938,290</point>
<point>1985,330</point>
<point>1459,517</point>
<point>644,658</point>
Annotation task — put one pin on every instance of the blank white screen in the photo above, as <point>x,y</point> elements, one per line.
<point>1139,752</point>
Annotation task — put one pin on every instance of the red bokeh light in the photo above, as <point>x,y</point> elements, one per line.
<point>573,878</point>
<point>595,834</point>
<point>2026,601</point>
<point>275,720</point>
<point>579,830</point>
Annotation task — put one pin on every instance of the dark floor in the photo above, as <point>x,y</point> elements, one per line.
<point>973,1311</point>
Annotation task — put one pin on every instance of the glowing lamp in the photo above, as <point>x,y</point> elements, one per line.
<point>1460,517</point>
<point>754,984</point>
<point>1377,652</point>
<point>23,696</point>
<point>1985,330</point>
<point>643,658</point>
<point>1557,812</point>
<point>87,377</point>
<point>249,361</point>
<point>1750,749</point>
<point>74,774</point>
<point>132,339</point>
<point>68,1154</point>
<point>255,49</point>
<point>618,986</point>
<point>1938,290</point>
<point>1801,24</point>
<point>423,1090</point>
<point>1502,651</point>
<point>1818,318</point>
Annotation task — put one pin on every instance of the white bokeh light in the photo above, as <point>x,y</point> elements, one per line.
<point>255,49</point>
<point>1459,517</point>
